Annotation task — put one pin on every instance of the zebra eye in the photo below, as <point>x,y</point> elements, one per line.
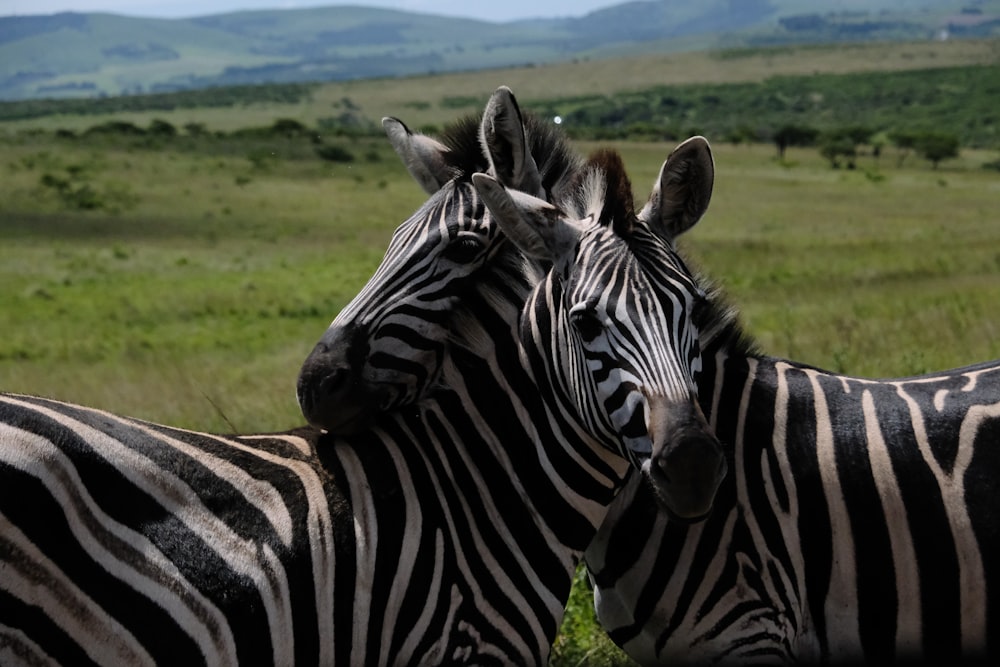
<point>463,249</point>
<point>587,323</point>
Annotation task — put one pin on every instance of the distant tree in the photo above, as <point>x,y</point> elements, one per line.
<point>116,127</point>
<point>937,146</point>
<point>842,143</point>
<point>835,148</point>
<point>859,134</point>
<point>793,135</point>
<point>334,153</point>
<point>288,127</point>
<point>161,128</point>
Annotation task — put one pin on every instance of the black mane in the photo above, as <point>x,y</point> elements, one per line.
<point>555,159</point>
<point>719,322</point>
<point>619,205</point>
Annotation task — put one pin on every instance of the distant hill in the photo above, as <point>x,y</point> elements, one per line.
<point>87,55</point>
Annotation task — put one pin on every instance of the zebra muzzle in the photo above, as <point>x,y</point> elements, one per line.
<point>687,463</point>
<point>331,390</point>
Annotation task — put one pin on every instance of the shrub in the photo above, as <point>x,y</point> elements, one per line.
<point>288,127</point>
<point>195,129</point>
<point>161,128</point>
<point>334,153</point>
<point>117,127</point>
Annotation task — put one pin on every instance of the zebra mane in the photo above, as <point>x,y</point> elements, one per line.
<point>555,159</point>
<point>718,321</point>
<point>602,188</point>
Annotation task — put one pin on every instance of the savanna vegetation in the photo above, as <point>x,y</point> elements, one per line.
<point>178,266</point>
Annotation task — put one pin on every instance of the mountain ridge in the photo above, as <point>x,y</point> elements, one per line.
<point>94,54</point>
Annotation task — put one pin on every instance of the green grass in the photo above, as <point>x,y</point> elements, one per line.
<point>194,292</point>
<point>217,281</point>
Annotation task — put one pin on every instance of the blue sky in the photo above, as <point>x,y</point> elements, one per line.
<point>493,10</point>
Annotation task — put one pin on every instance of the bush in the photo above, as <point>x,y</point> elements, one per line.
<point>334,153</point>
<point>161,128</point>
<point>116,127</point>
<point>288,127</point>
<point>77,193</point>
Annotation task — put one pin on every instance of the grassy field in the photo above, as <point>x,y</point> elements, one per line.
<point>200,280</point>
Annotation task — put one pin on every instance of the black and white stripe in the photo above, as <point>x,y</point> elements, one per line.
<point>860,522</point>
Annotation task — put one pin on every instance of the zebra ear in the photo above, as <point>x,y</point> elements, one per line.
<point>535,226</point>
<point>423,156</point>
<point>682,193</point>
<point>505,144</point>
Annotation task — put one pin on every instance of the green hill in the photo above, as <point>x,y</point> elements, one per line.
<point>87,55</point>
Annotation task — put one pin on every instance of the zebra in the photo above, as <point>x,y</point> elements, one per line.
<point>860,521</point>
<point>391,344</point>
<point>126,542</point>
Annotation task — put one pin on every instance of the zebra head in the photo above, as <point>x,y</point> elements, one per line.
<point>611,325</point>
<point>386,348</point>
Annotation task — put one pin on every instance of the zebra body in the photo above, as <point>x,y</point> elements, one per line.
<point>860,522</point>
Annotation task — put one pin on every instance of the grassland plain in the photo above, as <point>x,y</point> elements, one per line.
<point>193,292</point>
